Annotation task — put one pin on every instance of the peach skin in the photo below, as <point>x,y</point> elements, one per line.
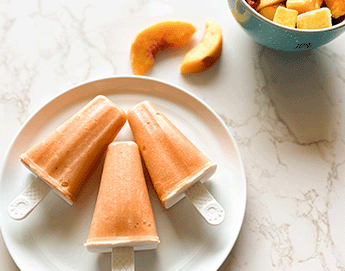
<point>156,38</point>
<point>207,52</point>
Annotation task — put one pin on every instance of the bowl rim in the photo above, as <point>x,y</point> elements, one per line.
<point>263,18</point>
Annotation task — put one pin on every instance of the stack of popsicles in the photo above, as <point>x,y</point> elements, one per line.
<point>123,216</point>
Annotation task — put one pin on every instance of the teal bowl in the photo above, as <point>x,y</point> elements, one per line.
<point>279,37</point>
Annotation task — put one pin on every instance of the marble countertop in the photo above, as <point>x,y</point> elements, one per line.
<point>285,110</point>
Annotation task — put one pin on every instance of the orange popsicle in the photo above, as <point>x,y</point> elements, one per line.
<point>174,163</point>
<point>123,215</point>
<point>64,157</point>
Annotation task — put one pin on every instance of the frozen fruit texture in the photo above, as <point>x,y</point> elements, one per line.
<point>173,162</point>
<point>65,156</point>
<point>123,214</point>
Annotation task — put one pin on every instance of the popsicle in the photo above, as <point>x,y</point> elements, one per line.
<point>176,166</point>
<point>64,158</point>
<point>123,220</point>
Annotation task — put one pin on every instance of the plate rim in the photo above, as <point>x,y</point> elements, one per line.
<point>144,78</point>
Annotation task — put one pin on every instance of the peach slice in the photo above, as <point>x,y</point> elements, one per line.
<point>207,52</point>
<point>157,38</point>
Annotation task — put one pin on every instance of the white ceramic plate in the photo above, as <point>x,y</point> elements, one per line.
<point>52,236</point>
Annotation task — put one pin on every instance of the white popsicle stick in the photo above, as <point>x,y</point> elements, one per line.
<point>122,259</point>
<point>23,205</point>
<point>205,203</point>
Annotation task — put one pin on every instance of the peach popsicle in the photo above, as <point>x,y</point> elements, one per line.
<point>176,166</point>
<point>64,157</point>
<point>123,216</point>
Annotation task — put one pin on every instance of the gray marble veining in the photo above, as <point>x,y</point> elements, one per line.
<point>287,114</point>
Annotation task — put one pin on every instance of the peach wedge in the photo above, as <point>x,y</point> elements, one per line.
<point>207,52</point>
<point>157,38</point>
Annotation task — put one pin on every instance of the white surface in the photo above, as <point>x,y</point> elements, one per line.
<point>52,236</point>
<point>285,110</point>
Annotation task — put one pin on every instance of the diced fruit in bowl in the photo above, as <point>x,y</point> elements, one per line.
<point>207,52</point>
<point>156,38</point>
<point>325,10</point>
<point>259,25</point>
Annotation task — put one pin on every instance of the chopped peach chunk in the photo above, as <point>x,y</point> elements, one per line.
<point>269,11</point>
<point>286,17</point>
<point>337,7</point>
<point>318,4</point>
<point>315,19</point>
<point>301,5</point>
<point>266,3</point>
